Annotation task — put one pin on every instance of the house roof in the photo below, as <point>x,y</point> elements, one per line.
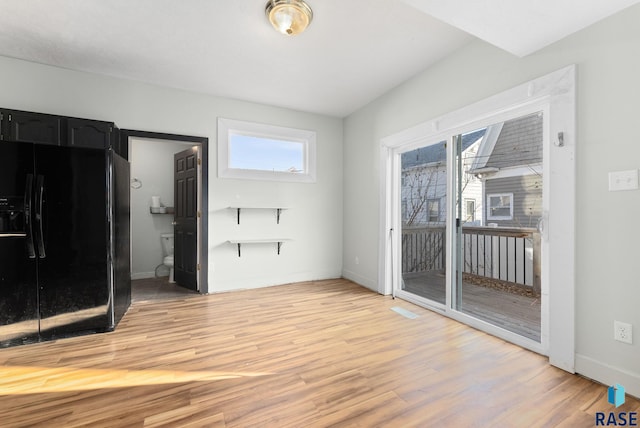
<point>519,143</point>
<point>437,152</point>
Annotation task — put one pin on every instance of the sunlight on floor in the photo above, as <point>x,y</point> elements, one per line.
<point>21,380</point>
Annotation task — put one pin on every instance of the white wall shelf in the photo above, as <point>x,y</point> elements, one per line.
<point>158,210</point>
<point>278,211</point>
<point>278,241</point>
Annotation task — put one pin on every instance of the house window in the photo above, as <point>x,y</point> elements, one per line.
<point>257,151</point>
<point>500,206</point>
<point>433,210</point>
<point>470,205</point>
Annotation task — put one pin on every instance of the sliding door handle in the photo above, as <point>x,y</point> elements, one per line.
<point>542,225</point>
<point>40,215</point>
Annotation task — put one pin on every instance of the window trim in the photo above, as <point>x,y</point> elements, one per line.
<point>473,212</point>
<point>228,127</point>
<point>428,210</point>
<point>499,217</point>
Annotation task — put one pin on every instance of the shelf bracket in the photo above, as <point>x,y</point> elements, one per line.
<point>238,223</point>
<point>277,210</point>
<point>278,241</point>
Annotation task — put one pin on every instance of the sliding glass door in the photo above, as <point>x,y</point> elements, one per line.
<point>466,228</point>
<point>498,252</point>
<point>470,207</point>
<point>424,215</point>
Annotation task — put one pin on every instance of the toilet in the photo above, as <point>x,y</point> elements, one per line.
<point>167,249</point>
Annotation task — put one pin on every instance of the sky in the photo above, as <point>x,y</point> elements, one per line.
<point>259,153</point>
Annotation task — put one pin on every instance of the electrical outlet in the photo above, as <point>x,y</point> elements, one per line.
<point>622,332</point>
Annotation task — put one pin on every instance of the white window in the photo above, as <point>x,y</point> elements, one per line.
<point>471,210</point>
<point>257,151</point>
<point>433,210</point>
<point>500,206</point>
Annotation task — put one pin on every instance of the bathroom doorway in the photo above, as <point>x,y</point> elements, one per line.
<point>153,213</point>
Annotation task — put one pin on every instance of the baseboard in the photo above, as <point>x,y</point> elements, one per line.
<point>360,280</point>
<point>225,285</point>
<point>608,375</point>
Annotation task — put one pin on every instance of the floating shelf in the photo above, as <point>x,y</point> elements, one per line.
<point>278,210</point>
<point>168,210</point>
<point>239,242</point>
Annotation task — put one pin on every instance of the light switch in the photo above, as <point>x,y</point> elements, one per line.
<point>623,180</point>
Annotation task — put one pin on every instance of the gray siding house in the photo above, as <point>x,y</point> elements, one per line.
<point>509,163</point>
<point>526,194</point>
<point>502,177</point>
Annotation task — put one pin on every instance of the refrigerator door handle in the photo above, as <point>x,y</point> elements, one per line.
<point>31,251</point>
<point>39,215</point>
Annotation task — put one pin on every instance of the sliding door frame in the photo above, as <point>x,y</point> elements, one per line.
<point>554,94</point>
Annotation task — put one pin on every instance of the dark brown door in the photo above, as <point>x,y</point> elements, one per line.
<point>185,229</point>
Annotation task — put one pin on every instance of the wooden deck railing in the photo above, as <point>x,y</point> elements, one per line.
<point>506,254</point>
<point>423,248</point>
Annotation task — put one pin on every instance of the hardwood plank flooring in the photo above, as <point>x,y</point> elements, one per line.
<point>313,354</point>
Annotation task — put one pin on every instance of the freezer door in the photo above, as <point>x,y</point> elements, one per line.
<point>71,211</point>
<point>18,288</point>
<point>121,220</point>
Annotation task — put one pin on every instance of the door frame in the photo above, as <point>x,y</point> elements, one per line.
<point>555,92</point>
<point>203,191</point>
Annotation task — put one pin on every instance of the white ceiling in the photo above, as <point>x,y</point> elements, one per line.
<point>353,52</point>
<point>521,27</point>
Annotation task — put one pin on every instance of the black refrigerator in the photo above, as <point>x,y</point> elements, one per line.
<point>64,241</point>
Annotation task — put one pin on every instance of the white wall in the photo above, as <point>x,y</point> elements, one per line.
<point>608,67</point>
<point>315,218</point>
<point>152,164</point>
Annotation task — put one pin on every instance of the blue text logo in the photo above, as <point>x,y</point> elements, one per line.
<point>616,395</point>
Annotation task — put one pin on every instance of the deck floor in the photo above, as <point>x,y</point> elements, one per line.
<point>513,312</point>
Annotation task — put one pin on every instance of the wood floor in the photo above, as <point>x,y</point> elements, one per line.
<point>314,354</point>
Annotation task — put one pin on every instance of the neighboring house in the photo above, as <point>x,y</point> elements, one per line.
<point>501,185</point>
<point>501,180</point>
<point>424,183</point>
<point>509,163</point>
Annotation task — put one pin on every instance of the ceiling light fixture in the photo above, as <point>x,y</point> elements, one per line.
<point>289,17</point>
